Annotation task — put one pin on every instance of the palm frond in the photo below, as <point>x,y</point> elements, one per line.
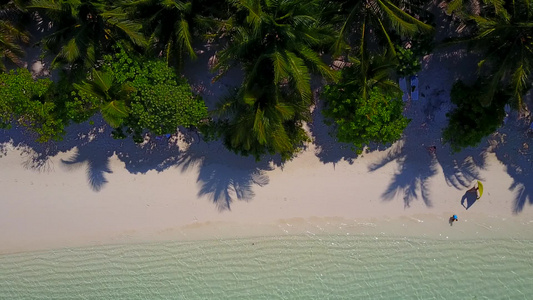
<point>102,80</point>
<point>402,22</point>
<point>117,18</point>
<point>184,38</point>
<point>281,69</point>
<point>316,62</point>
<point>114,112</point>
<point>285,110</point>
<point>90,89</point>
<point>46,4</point>
<point>454,6</point>
<point>300,76</point>
<point>253,8</point>
<point>70,51</point>
<point>340,44</point>
<point>520,82</point>
<point>260,124</point>
<point>281,140</point>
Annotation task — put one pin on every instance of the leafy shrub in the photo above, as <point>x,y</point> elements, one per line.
<point>360,121</point>
<point>408,62</point>
<point>24,101</point>
<point>157,99</point>
<point>470,121</point>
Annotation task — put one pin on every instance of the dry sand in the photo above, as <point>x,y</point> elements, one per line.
<point>93,190</point>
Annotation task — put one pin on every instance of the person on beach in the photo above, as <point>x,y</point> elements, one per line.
<point>432,150</point>
<point>474,190</point>
<point>453,219</point>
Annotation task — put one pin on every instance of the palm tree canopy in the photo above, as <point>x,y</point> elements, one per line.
<point>505,36</point>
<point>84,28</point>
<point>11,36</point>
<point>381,16</point>
<point>113,97</point>
<point>372,71</point>
<point>276,42</point>
<point>169,25</point>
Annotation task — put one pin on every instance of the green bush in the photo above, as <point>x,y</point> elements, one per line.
<point>470,121</point>
<point>408,62</point>
<point>24,100</point>
<point>157,100</point>
<point>359,121</point>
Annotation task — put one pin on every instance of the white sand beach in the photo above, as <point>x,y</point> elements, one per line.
<point>92,190</point>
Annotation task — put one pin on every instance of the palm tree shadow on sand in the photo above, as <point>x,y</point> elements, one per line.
<point>417,164</point>
<point>411,180</point>
<point>327,148</point>
<point>512,146</point>
<point>223,177</point>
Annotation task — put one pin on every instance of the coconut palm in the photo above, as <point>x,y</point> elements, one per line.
<point>169,24</point>
<point>11,35</point>
<point>380,17</point>
<point>113,97</point>
<point>276,44</point>
<point>505,37</point>
<point>465,8</point>
<point>82,30</point>
<point>368,71</point>
<point>10,49</point>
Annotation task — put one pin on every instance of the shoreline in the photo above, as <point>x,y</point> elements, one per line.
<point>425,227</point>
<point>59,207</point>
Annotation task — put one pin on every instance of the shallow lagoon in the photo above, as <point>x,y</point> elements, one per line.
<point>312,266</point>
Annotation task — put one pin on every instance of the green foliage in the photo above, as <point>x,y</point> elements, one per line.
<point>408,63</point>
<point>170,26</point>
<point>69,104</point>
<point>111,96</point>
<point>249,128</point>
<point>155,98</point>
<point>470,121</point>
<point>83,30</point>
<point>10,39</point>
<point>276,43</point>
<point>381,19</point>
<point>23,100</point>
<point>504,36</point>
<point>359,120</point>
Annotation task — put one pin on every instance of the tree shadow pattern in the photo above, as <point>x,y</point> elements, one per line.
<point>417,163</point>
<point>93,148</point>
<point>512,146</point>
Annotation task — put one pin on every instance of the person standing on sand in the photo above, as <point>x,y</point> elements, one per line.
<point>432,150</point>
<point>453,219</point>
<point>474,190</point>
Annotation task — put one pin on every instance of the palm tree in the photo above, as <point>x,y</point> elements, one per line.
<point>381,17</point>
<point>465,8</point>
<point>504,35</point>
<point>276,44</point>
<point>84,29</point>
<point>113,97</point>
<point>10,35</point>
<point>368,71</point>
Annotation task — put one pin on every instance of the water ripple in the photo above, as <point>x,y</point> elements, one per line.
<point>288,267</point>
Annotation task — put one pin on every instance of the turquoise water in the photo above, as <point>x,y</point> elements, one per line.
<point>288,267</point>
